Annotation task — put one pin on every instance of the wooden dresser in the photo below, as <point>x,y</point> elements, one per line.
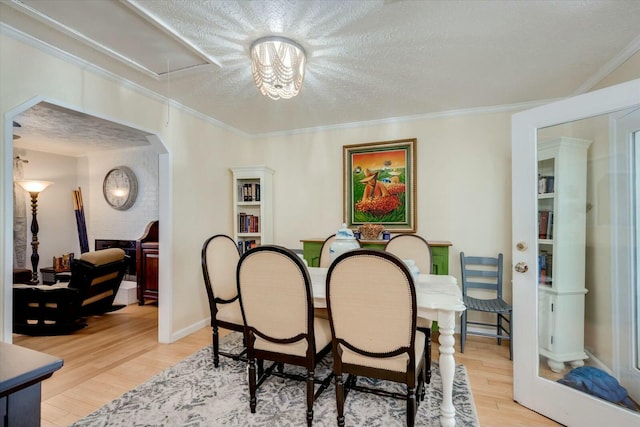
<point>147,256</point>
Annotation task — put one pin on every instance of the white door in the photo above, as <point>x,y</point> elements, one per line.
<point>626,202</point>
<point>591,116</point>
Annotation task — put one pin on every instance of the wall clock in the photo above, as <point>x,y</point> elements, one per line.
<point>120,188</point>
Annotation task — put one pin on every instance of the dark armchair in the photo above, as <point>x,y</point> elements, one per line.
<point>59,309</point>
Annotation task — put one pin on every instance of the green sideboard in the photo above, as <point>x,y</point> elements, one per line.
<point>439,252</point>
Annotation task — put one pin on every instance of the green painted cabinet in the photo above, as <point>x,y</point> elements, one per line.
<point>439,252</point>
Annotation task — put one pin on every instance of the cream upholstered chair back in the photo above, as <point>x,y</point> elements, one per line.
<point>276,299</point>
<point>412,246</point>
<point>325,255</point>
<point>372,302</point>
<point>219,262</point>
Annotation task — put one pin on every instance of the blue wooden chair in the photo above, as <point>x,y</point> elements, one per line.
<point>485,273</point>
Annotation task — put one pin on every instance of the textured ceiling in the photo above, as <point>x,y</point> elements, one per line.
<point>366,60</point>
<point>53,129</point>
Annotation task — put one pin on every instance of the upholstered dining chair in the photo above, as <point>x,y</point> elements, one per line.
<point>480,272</point>
<point>276,299</point>
<point>416,248</point>
<point>220,258</point>
<point>371,300</point>
<point>412,246</point>
<point>325,256</point>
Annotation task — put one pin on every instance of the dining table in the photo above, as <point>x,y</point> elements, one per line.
<point>438,298</point>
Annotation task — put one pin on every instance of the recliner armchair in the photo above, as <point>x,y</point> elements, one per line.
<point>59,309</point>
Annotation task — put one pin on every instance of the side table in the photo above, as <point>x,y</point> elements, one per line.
<point>50,277</point>
<point>21,372</point>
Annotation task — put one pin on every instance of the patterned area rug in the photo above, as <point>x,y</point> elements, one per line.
<point>193,393</point>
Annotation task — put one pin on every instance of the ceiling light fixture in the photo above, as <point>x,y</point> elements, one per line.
<point>277,64</point>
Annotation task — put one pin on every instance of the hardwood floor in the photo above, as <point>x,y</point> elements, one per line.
<point>119,350</point>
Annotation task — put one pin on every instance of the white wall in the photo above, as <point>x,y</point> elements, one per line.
<point>463,182</point>
<point>108,223</point>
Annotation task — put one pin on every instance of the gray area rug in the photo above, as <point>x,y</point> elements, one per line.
<point>194,393</point>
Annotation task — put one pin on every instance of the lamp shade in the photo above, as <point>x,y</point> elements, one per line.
<point>277,64</point>
<point>33,186</point>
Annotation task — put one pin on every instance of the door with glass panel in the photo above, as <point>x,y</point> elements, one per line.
<point>576,228</point>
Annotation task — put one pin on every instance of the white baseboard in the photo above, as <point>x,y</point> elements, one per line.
<point>594,361</point>
<point>190,329</point>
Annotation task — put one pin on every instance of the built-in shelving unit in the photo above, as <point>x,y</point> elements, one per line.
<point>253,206</point>
<point>562,200</point>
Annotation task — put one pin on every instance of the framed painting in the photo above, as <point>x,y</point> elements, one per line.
<point>380,184</point>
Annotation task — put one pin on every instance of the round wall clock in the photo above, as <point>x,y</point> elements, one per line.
<point>120,188</point>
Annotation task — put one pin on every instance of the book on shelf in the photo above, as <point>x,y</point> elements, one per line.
<point>545,224</point>
<point>245,245</point>
<point>543,219</point>
<point>249,192</point>
<point>546,184</point>
<point>241,221</point>
<point>550,184</point>
<point>248,223</point>
<point>545,268</point>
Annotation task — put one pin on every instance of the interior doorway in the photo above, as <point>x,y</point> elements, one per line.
<point>79,119</point>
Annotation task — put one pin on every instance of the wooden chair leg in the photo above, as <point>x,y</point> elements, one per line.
<point>310,393</point>
<point>499,329</point>
<point>260,368</point>
<point>428,356</point>
<point>411,406</point>
<point>252,385</point>
<point>340,399</point>
<point>423,390</point>
<point>427,352</point>
<point>216,348</point>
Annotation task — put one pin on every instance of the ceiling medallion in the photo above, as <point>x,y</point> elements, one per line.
<point>277,64</point>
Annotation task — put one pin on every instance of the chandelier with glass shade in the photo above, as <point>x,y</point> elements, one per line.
<point>277,64</point>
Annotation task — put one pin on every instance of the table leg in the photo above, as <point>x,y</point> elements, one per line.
<point>447,370</point>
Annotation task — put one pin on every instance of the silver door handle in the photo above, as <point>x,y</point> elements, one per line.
<point>521,267</point>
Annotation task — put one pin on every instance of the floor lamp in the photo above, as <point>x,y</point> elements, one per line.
<point>34,188</point>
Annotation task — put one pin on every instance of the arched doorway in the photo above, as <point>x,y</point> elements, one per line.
<point>105,128</point>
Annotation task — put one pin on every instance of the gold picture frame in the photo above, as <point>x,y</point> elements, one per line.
<point>379,184</point>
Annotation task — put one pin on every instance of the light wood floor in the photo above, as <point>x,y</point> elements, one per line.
<point>120,350</point>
